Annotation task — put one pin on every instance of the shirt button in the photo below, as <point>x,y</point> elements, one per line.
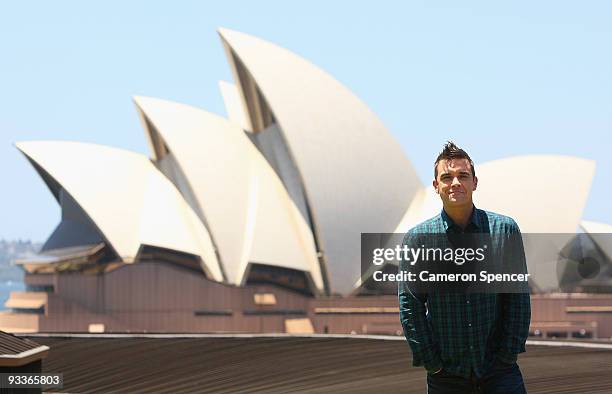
<point>471,347</point>
<point>468,301</point>
<point>469,324</point>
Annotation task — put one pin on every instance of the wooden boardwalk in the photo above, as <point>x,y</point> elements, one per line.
<point>289,364</point>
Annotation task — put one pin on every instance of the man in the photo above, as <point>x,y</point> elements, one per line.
<point>467,342</point>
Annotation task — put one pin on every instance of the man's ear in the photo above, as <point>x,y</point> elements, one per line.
<point>435,186</point>
<point>475,182</point>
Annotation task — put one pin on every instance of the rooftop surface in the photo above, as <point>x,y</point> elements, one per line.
<point>13,345</point>
<point>283,364</point>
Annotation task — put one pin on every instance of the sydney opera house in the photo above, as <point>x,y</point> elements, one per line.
<point>252,223</point>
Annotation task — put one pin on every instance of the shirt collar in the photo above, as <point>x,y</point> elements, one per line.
<point>448,222</point>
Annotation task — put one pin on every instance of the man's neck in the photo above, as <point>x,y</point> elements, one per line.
<point>460,215</point>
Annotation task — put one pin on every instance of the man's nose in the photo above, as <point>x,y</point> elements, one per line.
<point>455,181</point>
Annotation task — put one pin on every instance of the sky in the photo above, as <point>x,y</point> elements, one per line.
<point>500,78</point>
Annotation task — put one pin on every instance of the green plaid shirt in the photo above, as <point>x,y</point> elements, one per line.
<point>463,333</point>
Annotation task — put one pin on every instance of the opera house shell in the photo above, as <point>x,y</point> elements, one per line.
<point>253,222</point>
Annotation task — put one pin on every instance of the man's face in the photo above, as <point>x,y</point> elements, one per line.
<point>455,182</point>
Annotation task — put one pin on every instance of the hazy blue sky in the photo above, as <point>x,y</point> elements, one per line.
<point>518,78</point>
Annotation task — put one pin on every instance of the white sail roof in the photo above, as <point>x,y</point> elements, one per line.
<point>240,197</point>
<point>127,198</point>
<point>354,173</point>
<point>543,193</point>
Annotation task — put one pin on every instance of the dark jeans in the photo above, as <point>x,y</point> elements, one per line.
<point>501,378</point>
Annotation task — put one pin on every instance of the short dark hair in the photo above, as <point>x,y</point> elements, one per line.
<point>452,151</point>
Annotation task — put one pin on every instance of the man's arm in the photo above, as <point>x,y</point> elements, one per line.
<point>516,307</point>
<point>414,322</point>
